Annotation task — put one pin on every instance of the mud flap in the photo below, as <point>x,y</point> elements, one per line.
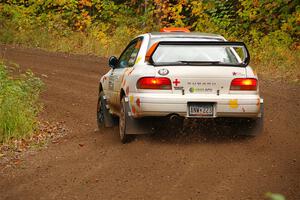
<point>261,114</point>
<point>136,126</point>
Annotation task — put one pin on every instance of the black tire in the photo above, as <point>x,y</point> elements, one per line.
<point>104,118</point>
<point>124,137</point>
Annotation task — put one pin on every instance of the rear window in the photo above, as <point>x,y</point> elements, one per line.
<point>194,53</point>
<point>199,53</point>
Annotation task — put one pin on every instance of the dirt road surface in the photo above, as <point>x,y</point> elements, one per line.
<point>93,164</point>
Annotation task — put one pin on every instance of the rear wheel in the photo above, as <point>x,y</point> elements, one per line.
<point>104,118</point>
<point>124,136</point>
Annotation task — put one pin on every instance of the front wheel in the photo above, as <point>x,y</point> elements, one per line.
<point>104,118</point>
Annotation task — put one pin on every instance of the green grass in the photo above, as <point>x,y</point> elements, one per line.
<point>96,40</point>
<point>19,104</point>
<point>277,56</point>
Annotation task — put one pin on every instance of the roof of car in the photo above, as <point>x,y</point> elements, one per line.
<point>185,35</point>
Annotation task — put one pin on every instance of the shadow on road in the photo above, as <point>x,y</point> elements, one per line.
<point>195,131</point>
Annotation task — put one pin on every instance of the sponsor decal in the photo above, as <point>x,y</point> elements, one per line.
<point>237,74</point>
<point>138,60</point>
<point>233,103</point>
<point>138,102</point>
<point>133,110</point>
<point>163,72</point>
<point>131,99</point>
<point>176,82</point>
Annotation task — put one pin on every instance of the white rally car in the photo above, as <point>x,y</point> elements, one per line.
<point>179,73</point>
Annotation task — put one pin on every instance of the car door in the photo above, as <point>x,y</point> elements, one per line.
<point>126,60</point>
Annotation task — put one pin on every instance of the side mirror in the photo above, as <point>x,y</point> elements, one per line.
<point>113,61</point>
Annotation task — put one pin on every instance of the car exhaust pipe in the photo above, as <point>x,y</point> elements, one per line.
<point>176,121</point>
<point>174,117</point>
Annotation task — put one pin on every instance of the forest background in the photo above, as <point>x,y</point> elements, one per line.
<point>270,28</point>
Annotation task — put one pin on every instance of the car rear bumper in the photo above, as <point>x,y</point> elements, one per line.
<point>225,105</point>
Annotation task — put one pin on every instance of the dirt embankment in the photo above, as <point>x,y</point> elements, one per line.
<point>91,164</point>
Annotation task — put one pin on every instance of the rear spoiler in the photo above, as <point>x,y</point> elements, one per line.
<point>153,48</point>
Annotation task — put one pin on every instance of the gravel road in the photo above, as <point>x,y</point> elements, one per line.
<point>93,164</point>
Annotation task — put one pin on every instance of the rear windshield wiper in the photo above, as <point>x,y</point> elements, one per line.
<point>183,62</point>
<point>198,62</point>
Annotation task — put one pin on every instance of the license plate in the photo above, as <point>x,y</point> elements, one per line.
<point>200,109</point>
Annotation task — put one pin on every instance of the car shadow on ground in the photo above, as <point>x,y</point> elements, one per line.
<point>195,131</point>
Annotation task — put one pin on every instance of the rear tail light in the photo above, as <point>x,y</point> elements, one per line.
<point>155,83</point>
<point>243,84</point>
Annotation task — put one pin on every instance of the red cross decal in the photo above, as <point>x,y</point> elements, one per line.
<point>176,82</point>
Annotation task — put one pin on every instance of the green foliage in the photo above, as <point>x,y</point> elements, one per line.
<point>19,105</point>
<point>273,55</point>
<point>271,28</point>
